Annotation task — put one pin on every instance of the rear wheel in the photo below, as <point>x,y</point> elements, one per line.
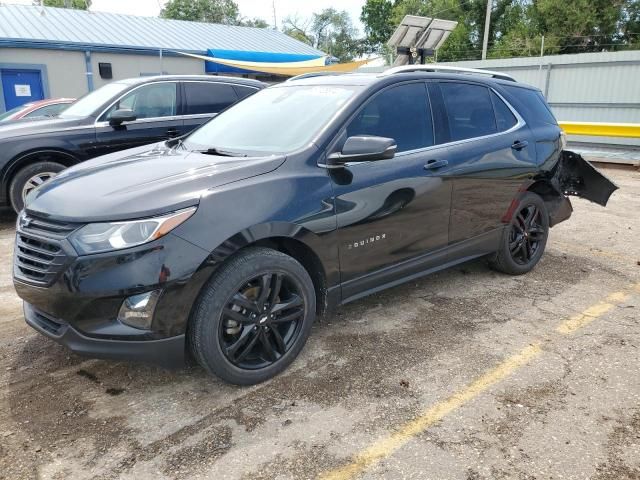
<point>28,179</point>
<point>524,240</point>
<point>253,317</point>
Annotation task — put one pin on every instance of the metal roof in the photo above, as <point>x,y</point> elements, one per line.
<point>23,25</point>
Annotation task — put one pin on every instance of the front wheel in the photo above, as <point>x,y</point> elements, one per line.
<point>524,239</point>
<point>253,317</point>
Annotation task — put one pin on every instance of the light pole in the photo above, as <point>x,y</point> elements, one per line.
<point>487,21</point>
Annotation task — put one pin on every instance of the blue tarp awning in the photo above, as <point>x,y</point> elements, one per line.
<point>211,67</point>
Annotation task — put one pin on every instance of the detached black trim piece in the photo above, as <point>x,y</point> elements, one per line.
<point>167,352</point>
<point>576,176</point>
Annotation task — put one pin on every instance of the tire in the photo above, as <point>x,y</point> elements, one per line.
<point>523,241</point>
<point>227,335</point>
<point>25,180</point>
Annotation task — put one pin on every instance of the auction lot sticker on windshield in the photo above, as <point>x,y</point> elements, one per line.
<point>23,90</point>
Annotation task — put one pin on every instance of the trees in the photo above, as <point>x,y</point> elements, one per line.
<point>77,4</point>
<point>255,22</point>
<point>329,30</point>
<point>212,11</point>
<point>517,26</point>
<point>377,17</point>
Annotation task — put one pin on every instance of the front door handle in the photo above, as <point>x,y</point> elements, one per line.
<point>519,145</point>
<point>173,132</point>
<point>433,164</point>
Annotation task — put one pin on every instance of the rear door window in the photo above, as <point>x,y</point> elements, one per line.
<point>208,97</point>
<point>469,110</point>
<point>401,113</point>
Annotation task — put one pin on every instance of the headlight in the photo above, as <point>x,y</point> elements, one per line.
<point>103,237</point>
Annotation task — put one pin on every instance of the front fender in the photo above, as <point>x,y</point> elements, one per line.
<point>279,204</point>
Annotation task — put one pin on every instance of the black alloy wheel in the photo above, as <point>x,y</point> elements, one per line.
<point>524,239</point>
<point>253,316</point>
<point>261,321</point>
<point>527,233</point>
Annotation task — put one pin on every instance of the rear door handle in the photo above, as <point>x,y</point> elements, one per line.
<point>173,132</point>
<point>519,145</point>
<point>433,164</point>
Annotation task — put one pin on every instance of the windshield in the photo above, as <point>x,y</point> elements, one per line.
<point>274,120</point>
<point>91,102</point>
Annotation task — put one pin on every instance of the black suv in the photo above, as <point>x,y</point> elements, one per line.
<point>120,115</point>
<point>226,244</point>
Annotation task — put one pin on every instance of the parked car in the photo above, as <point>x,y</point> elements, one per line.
<point>224,245</point>
<point>120,115</point>
<point>40,109</point>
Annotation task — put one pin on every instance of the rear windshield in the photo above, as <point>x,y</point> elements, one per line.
<point>536,109</point>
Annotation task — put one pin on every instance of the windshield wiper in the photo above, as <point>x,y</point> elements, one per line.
<point>222,153</point>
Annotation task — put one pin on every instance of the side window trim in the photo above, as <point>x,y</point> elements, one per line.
<point>439,113</point>
<point>519,124</point>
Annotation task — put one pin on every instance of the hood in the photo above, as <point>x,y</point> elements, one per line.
<point>139,183</point>
<point>35,126</point>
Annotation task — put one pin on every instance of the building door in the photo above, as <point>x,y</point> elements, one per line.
<point>21,86</point>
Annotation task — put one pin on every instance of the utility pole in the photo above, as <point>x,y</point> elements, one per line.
<point>275,20</point>
<point>487,21</point>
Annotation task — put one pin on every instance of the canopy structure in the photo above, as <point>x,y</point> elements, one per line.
<point>289,69</point>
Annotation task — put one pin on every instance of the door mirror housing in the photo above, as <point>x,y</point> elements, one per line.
<point>122,115</point>
<point>363,149</point>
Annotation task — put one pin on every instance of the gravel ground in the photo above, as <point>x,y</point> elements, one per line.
<point>466,374</point>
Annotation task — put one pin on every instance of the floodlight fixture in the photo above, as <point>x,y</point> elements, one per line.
<point>417,38</point>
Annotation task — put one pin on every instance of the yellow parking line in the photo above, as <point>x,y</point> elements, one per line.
<point>385,447</point>
<point>591,313</point>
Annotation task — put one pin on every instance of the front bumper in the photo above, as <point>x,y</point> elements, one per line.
<point>166,352</point>
<point>79,306</point>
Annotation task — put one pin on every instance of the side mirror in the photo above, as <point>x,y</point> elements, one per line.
<point>363,149</point>
<point>120,116</point>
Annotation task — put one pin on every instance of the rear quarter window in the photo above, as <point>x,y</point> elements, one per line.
<point>504,118</point>
<point>536,110</point>
<point>243,91</point>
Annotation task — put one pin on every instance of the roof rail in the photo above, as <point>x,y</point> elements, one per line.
<point>447,69</point>
<point>312,74</point>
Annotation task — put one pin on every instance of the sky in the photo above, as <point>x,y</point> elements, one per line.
<point>248,8</point>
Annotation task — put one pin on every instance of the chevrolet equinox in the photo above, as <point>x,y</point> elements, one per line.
<point>225,244</point>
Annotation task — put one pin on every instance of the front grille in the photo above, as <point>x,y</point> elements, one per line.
<point>39,255</point>
<point>33,224</point>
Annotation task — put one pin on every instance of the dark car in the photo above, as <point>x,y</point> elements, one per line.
<point>223,246</point>
<point>117,116</point>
